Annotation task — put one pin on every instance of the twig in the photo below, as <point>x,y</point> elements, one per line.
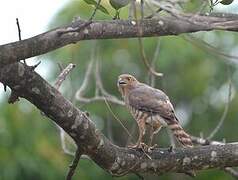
<point>63,144</point>
<point>109,128</point>
<point>209,48</point>
<point>59,81</point>
<point>118,120</point>
<point>19,34</point>
<point>141,47</point>
<point>100,98</point>
<point>156,55</point>
<point>95,10</point>
<point>63,75</point>
<point>132,130</point>
<point>143,55</point>
<point>223,117</point>
<point>99,86</point>
<point>83,25</point>
<point>19,29</point>
<point>84,85</point>
<point>74,164</point>
<point>78,153</point>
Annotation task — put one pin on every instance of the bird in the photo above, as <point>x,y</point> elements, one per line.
<point>117,5</point>
<point>150,106</point>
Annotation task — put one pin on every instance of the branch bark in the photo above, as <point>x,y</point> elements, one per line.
<point>162,26</point>
<point>116,160</point>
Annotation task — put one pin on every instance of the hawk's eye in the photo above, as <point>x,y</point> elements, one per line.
<point>129,78</point>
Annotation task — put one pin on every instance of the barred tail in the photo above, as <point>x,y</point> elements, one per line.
<point>180,134</point>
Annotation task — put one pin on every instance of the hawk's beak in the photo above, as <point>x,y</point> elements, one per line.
<point>121,82</point>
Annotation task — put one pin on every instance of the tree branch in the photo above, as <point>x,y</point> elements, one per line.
<point>162,26</point>
<point>116,160</point>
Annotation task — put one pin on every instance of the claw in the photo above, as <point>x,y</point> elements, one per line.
<point>152,147</point>
<point>136,146</point>
<point>171,149</point>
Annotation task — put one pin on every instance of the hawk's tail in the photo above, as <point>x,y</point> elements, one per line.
<point>180,134</point>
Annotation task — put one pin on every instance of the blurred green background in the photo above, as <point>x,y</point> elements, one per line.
<point>195,79</point>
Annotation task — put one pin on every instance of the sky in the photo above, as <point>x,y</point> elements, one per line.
<point>34,17</point>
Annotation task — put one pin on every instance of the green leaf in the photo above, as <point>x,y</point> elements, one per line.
<point>226,2</point>
<point>100,7</point>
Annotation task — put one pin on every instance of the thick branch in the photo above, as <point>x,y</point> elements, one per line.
<point>163,26</point>
<point>90,141</point>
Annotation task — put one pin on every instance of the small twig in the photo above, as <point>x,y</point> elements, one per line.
<point>132,130</point>
<point>154,13</point>
<point>63,75</point>
<point>84,85</point>
<point>63,144</point>
<point>109,128</point>
<point>19,34</point>
<point>143,55</point>
<point>19,29</point>
<point>118,120</point>
<point>84,24</point>
<point>100,98</point>
<point>95,10</point>
<point>156,55</point>
<point>78,153</point>
<point>35,66</point>
<point>99,86</point>
<point>74,164</point>
<point>60,65</point>
<point>223,117</point>
<point>209,48</point>
<point>141,47</point>
<point>59,81</point>
<point>13,97</point>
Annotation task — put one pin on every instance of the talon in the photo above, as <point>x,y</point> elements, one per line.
<point>171,149</point>
<point>141,146</point>
<point>153,147</point>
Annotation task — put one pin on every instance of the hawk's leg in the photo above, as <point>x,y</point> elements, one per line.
<point>117,15</point>
<point>151,135</point>
<point>139,144</point>
<point>153,131</point>
<point>141,124</point>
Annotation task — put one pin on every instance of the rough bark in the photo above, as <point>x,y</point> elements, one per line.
<point>117,160</point>
<point>169,25</point>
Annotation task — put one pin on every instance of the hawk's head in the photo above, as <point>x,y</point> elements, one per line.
<point>126,82</point>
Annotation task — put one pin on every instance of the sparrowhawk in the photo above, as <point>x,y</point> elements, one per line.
<point>150,106</point>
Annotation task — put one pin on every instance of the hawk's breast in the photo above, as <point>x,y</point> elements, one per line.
<point>154,120</point>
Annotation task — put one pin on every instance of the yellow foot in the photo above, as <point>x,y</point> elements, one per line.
<point>141,147</point>
<point>152,147</point>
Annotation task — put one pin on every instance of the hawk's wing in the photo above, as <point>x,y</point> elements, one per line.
<point>151,100</point>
